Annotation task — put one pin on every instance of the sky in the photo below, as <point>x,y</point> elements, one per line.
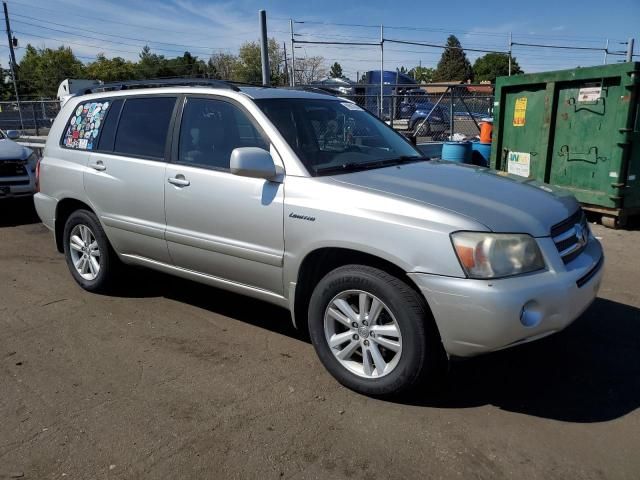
<point>169,27</point>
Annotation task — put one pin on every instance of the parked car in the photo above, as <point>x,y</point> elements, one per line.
<point>429,120</point>
<point>17,167</point>
<point>391,261</point>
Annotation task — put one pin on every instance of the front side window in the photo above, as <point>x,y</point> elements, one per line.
<point>332,136</point>
<point>211,129</point>
<point>85,125</point>
<point>143,126</point>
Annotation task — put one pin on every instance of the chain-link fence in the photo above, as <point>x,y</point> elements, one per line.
<point>33,117</point>
<point>430,112</point>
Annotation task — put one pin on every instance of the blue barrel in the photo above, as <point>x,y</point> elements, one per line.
<point>457,152</point>
<point>480,153</point>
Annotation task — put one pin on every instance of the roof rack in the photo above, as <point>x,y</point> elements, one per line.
<point>159,82</point>
<point>307,88</point>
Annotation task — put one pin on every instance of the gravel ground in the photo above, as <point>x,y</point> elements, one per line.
<point>171,379</point>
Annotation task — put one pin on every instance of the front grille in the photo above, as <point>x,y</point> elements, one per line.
<point>12,168</point>
<point>571,236</point>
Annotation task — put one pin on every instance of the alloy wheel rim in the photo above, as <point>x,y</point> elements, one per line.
<point>363,334</point>
<point>85,253</point>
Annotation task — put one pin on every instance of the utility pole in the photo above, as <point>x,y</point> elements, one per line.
<point>12,61</point>
<point>629,48</point>
<point>381,72</point>
<point>286,67</point>
<point>606,52</point>
<point>264,48</point>
<point>293,55</point>
<point>510,46</point>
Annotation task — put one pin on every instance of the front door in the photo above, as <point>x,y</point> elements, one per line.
<point>221,224</point>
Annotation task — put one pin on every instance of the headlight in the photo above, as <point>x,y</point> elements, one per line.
<point>32,161</point>
<point>495,255</point>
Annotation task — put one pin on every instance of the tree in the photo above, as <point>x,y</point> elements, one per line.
<point>453,65</point>
<point>336,70</point>
<point>249,65</point>
<point>152,65</point>
<point>309,70</point>
<point>6,87</point>
<point>422,74</point>
<point>222,66</point>
<point>186,66</point>
<point>41,70</point>
<point>111,69</point>
<point>492,65</point>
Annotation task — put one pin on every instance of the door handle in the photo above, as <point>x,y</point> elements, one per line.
<point>99,166</point>
<point>179,181</point>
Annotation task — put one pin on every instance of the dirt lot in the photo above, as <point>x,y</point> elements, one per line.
<point>171,379</point>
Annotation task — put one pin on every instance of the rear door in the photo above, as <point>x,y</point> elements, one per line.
<point>125,178</point>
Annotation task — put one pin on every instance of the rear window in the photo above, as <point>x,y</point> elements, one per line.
<point>85,124</point>
<point>143,126</point>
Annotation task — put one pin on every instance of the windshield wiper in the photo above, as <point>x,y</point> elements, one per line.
<point>355,166</point>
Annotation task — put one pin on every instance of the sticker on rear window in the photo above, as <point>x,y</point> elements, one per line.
<point>84,126</point>
<point>351,106</point>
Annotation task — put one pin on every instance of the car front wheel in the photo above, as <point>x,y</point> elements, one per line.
<point>373,332</point>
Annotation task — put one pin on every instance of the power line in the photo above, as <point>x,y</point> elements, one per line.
<point>114,41</point>
<point>112,35</point>
<point>102,19</point>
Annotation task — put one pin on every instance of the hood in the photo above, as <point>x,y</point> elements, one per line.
<point>10,150</point>
<point>503,203</point>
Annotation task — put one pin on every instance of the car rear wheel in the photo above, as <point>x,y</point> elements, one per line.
<point>90,258</point>
<point>373,332</point>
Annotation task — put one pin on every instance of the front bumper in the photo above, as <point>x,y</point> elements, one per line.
<point>22,186</point>
<point>478,316</point>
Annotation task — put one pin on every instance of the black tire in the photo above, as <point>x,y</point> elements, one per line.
<point>108,260</point>
<point>422,129</point>
<point>422,359</point>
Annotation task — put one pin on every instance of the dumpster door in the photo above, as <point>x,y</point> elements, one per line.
<point>584,159</point>
<point>524,133</point>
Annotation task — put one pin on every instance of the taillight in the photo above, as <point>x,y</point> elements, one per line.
<point>38,175</point>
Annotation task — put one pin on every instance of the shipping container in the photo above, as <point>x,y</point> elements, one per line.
<point>577,129</point>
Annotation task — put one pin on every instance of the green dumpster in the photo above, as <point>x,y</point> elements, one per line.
<point>578,129</point>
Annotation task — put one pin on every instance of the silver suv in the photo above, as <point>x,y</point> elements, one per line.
<point>393,262</point>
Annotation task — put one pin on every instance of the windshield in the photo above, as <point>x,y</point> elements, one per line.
<point>332,136</point>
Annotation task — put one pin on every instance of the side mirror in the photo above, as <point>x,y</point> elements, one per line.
<point>13,134</point>
<point>253,162</point>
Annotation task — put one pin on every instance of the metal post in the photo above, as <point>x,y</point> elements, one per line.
<point>12,61</point>
<point>382,72</point>
<point>293,55</point>
<point>286,67</point>
<point>629,48</point>
<point>451,125</point>
<point>35,118</point>
<point>510,46</point>
<point>606,51</point>
<point>264,48</point>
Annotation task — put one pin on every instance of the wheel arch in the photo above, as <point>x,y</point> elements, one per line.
<point>64,209</point>
<point>317,263</point>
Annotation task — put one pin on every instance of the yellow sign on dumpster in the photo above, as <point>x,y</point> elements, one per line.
<point>520,112</point>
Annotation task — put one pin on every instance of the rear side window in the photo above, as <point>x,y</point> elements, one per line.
<point>108,134</point>
<point>85,124</point>
<point>143,127</point>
